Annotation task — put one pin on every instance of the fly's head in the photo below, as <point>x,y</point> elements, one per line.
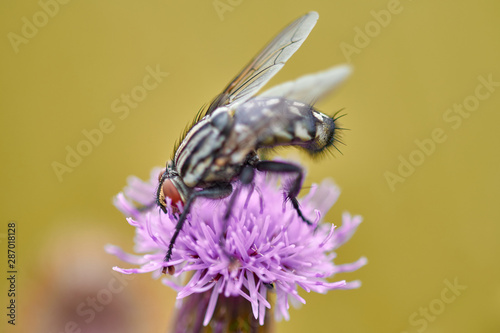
<point>170,185</point>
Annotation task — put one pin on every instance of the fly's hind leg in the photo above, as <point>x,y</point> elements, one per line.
<point>292,189</point>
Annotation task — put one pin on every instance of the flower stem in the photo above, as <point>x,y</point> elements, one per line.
<point>231,314</point>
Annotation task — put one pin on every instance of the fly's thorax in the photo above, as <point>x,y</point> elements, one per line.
<point>197,152</point>
<point>240,142</point>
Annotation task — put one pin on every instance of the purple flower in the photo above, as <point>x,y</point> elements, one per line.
<point>267,247</point>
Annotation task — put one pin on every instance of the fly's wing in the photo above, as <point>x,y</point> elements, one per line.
<point>266,63</point>
<point>310,88</point>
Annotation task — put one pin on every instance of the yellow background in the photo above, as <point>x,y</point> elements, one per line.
<point>441,223</point>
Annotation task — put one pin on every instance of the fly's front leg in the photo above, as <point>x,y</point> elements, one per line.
<point>218,191</point>
<point>293,188</point>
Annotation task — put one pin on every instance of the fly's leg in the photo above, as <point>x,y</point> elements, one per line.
<point>293,188</point>
<point>218,191</point>
<point>246,177</point>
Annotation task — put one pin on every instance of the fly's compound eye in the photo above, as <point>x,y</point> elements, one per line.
<point>168,190</point>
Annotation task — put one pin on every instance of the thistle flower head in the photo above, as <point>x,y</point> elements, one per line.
<point>267,247</point>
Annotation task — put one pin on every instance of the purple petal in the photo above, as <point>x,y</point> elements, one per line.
<point>265,242</point>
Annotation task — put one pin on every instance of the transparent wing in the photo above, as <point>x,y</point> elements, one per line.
<point>266,63</point>
<point>312,87</point>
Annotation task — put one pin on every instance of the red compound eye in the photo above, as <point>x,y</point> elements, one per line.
<point>171,192</point>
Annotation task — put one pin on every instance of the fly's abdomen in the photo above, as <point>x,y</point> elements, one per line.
<point>324,136</point>
<point>279,122</point>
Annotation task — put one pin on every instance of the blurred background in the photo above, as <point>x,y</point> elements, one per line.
<point>420,164</point>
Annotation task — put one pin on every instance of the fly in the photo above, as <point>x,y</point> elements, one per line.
<point>223,143</point>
